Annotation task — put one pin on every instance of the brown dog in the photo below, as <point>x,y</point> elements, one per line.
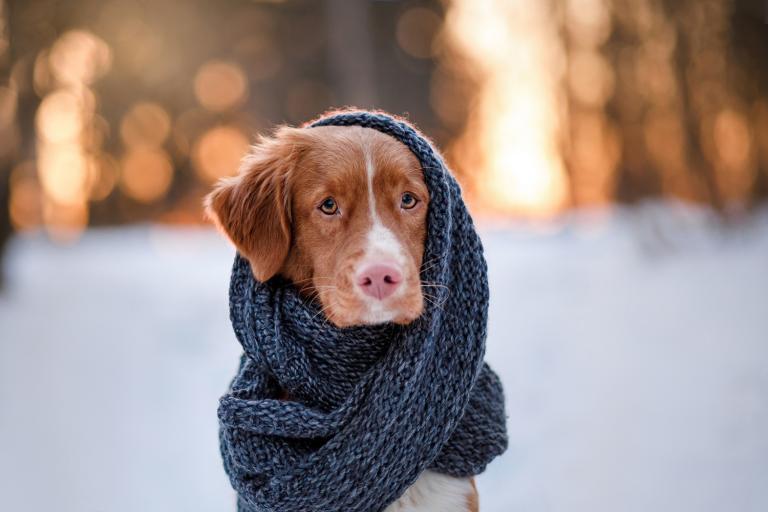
<point>341,212</point>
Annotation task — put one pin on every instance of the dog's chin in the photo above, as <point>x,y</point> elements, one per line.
<point>373,314</point>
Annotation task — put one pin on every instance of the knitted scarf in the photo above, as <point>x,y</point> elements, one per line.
<point>373,406</point>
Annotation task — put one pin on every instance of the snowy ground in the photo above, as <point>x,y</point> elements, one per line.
<point>633,349</point>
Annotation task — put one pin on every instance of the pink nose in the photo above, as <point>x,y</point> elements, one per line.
<point>379,280</point>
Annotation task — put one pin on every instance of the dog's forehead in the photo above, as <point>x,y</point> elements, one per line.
<point>347,154</point>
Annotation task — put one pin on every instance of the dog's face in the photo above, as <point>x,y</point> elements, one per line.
<point>340,211</point>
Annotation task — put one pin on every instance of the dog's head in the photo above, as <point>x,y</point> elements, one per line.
<point>340,211</point>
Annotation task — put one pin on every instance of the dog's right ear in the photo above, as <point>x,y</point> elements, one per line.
<point>253,208</point>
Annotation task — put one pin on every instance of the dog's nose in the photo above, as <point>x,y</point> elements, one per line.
<point>379,281</point>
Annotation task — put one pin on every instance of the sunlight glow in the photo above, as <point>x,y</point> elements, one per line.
<point>510,141</point>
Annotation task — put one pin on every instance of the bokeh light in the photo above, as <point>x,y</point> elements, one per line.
<point>588,22</point>
<point>733,143</point>
<point>220,85</point>
<point>25,204</point>
<point>590,78</point>
<point>539,106</point>
<point>62,115</point>
<point>79,57</point>
<point>64,173</point>
<point>218,152</point>
<point>146,174</point>
<point>145,124</point>
<point>69,133</point>
<point>103,178</point>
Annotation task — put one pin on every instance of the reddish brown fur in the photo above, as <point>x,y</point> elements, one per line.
<point>270,212</point>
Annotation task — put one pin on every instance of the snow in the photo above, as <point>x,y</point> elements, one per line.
<point>633,346</point>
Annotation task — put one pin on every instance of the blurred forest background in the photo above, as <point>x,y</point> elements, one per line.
<point>628,327</point>
<point>122,111</point>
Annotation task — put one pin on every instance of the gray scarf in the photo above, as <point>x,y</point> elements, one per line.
<point>371,407</point>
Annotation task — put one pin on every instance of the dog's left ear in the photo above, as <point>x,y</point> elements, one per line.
<point>253,208</point>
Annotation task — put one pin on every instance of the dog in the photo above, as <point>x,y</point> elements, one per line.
<point>342,213</point>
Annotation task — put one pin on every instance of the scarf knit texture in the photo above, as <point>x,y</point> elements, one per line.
<point>371,407</point>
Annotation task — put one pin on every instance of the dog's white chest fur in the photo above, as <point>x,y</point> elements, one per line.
<point>434,492</point>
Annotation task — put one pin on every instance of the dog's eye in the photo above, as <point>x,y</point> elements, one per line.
<point>329,206</point>
<point>408,201</point>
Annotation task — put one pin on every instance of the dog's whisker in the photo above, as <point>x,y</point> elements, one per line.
<point>310,279</point>
<point>439,286</point>
<point>432,260</point>
<point>430,264</point>
<point>434,300</point>
<point>322,310</point>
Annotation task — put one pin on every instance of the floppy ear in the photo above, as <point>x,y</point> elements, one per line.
<point>253,208</point>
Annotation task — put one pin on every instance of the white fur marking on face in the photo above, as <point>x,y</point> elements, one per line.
<point>382,247</point>
<point>382,242</point>
<point>434,492</point>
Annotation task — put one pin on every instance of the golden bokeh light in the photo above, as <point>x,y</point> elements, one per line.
<point>64,173</point>
<point>62,115</point>
<point>588,21</point>
<point>760,114</point>
<point>218,152</point>
<point>540,106</point>
<point>145,124</point>
<point>69,134</point>
<point>733,144</point>
<point>146,174</point>
<point>24,206</point>
<point>590,78</point>
<point>25,202</point>
<point>517,177</point>
<point>732,139</point>
<point>510,140</point>
<point>594,152</point>
<point>103,177</point>
<point>416,30</point>
<point>220,85</point>
<point>79,57</point>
